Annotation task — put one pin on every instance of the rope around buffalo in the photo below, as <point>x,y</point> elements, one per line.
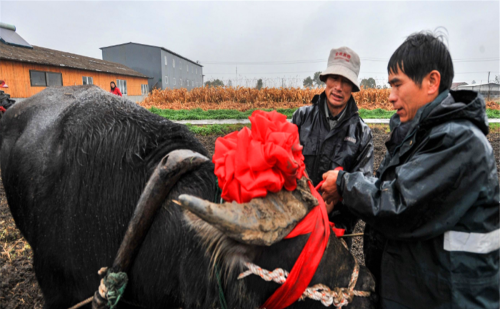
<point>339,297</point>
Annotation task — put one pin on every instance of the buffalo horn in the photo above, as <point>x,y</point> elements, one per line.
<point>164,177</point>
<point>262,221</point>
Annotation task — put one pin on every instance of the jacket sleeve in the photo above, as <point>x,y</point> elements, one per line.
<point>297,118</point>
<point>429,193</point>
<point>364,161</point>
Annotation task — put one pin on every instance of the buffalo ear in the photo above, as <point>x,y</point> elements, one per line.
<point>262,221</point>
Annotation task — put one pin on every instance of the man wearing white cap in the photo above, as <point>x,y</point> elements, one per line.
<point>331,131</point>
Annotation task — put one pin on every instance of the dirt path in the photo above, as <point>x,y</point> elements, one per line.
<point>18,285</point>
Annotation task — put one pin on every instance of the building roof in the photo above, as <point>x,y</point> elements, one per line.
<point>167,50</point>
<point>455,85</point>
<point>9,36</point>
<point>45,56</point>
<point>483,84</point>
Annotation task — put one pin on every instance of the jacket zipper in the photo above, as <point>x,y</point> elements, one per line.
<point>318,156</point>
<point>398,147</point>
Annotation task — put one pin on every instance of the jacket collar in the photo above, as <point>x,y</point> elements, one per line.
<point>351,108</point>
<point>444,108</point>
<point>421,115</point>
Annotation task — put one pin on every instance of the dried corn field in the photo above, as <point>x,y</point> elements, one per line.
<point>242,98</point>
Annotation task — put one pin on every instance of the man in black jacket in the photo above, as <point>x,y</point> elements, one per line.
<point>435,198</point>
<point>331,131</point>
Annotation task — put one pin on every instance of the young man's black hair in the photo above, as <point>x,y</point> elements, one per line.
<point>420,54</point>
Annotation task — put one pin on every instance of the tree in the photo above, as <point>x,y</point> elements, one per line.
<point>497,79</point>
<point>368,83</point>
<point>229,83</point>
<point>259,84</point>
<point>214,83</point>
<point>308,82</point>
<point>473,82</point>
<point>313,82</point>
<point>317,82</point>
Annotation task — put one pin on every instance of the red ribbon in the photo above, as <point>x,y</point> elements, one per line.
<point>2,109</point>
<point>268,158</point>
<point>249,163</point>
<point>316,223</point>
<point>320,184</point>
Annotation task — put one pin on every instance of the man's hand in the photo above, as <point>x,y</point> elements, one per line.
<point>329,189</point>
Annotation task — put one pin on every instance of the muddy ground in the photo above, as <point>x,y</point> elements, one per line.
<point>18,285</point>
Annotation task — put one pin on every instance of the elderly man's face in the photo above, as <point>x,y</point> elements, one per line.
<point>338,92</point>
<point>406,96</point>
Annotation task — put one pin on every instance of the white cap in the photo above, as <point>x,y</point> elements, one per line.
<point>345,62</point>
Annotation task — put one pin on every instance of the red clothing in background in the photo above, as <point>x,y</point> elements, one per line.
<point>116,91</point>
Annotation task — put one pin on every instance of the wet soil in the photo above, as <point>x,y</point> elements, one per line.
<point>18,285</point>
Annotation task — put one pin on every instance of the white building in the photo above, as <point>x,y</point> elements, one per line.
<point>488,90</point>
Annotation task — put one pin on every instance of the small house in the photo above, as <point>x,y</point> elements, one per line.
<point>26,70</point>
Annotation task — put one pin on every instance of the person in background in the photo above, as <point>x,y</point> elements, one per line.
<point>435,199</point>
<point>114,89</point>
<point>332,132</point>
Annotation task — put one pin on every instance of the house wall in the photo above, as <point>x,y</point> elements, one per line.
<point>150,61</point>
<point>178,76</point>
<point>140,58</point>
<point>17,76</point>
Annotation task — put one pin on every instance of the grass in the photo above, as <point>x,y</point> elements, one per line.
<point>493,113</point>
<point>494,127</point>
<point>376,113</point>
<point>216,129</point>
<point>199,114</point>
<point>223,129</point>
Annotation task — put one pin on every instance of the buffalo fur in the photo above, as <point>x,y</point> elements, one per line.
<point>74,162</point>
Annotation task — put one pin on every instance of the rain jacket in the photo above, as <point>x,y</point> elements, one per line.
<point>116,91</point>
<point>349,144</point>
<point>436,201</point>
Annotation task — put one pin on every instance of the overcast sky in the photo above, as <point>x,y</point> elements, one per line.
<point>292,39</point>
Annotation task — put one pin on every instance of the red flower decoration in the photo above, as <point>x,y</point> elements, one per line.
<point>249,163</point>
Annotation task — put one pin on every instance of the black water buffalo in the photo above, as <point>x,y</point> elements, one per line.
<point>74,162</point>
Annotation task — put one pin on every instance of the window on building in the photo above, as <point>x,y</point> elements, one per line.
<point>173,63</point>
<point>144,89</point>
<point>45,79</point>
<point>122,85</point>
<point>166,80</point>
<point>38,78</point>
<point>180,65</point>
<point>166,62</point>
<point>180,82</point>
<point>187,68</point>
<point>174,81</point>
<point>87,80</point>
<point>54,79</point>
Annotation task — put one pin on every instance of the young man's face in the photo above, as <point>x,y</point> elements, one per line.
<point>406,96</point>
<point>338,91</point>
